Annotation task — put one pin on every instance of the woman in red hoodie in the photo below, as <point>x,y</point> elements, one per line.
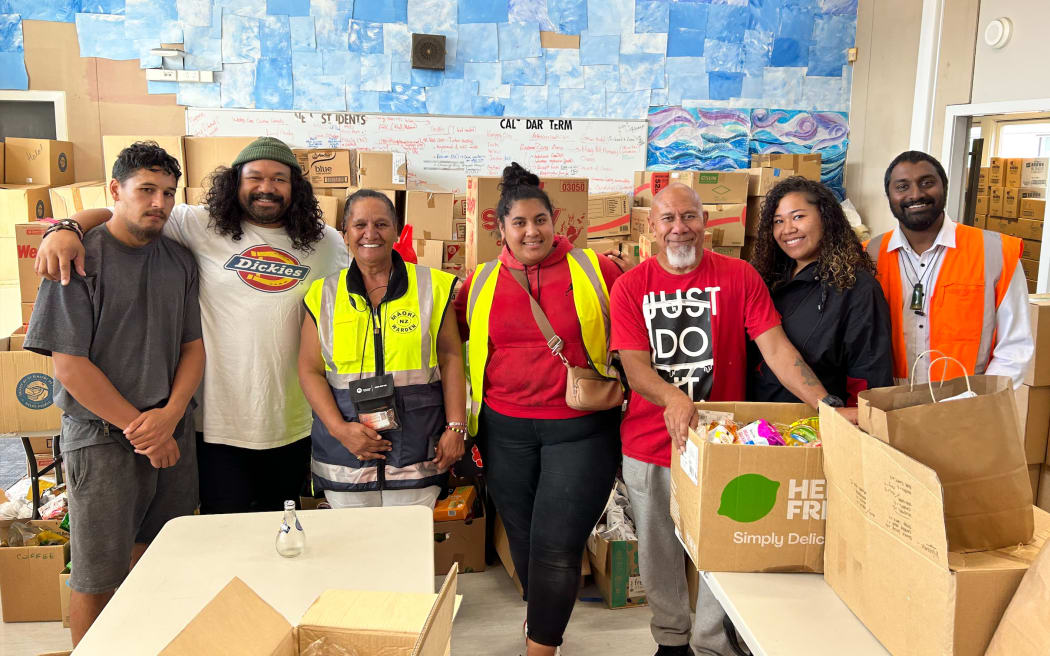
<point>549,467</point>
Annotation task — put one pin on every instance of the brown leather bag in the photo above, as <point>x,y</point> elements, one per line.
<point>585,389</point>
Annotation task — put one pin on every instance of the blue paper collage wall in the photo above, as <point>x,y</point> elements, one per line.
<point>718,80</point>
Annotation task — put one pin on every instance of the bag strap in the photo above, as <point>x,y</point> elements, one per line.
<point>554,342</point>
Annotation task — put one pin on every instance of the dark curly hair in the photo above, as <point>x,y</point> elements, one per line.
<point>519,184</point>
<point>144,155</point>
<point>841,254</point>
<point>303,219</point>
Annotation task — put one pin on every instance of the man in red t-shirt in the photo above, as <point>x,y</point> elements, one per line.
<point>678,322</point>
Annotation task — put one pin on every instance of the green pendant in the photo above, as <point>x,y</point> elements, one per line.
<point>916,297</point>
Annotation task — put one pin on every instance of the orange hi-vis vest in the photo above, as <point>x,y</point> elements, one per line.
<point>971,284</point>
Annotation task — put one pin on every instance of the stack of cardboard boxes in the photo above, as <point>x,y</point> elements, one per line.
<point>767,169</point>
<point>1033,402</point>
<point>611,227</point>
<point>1011,199</point>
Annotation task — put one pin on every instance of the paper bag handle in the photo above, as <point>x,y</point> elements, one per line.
<point>935,361</point>
<point>914,364</point>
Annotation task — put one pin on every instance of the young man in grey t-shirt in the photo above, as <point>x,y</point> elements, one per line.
<point>128,356</point>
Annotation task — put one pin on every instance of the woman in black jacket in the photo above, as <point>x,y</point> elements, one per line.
<point>823,284</point>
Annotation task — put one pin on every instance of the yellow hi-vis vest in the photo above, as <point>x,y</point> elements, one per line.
<point>404,331</point>
<point>590,295</point>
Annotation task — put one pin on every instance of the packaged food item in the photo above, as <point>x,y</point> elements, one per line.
<point>804,432</point>
<point>457,505</point>
<point>761,433</point>
<point>722,431</point>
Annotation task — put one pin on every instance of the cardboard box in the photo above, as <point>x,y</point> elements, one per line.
<point>195,195</point>
<point>459,230</point>
<point>715,187</point>
<point>455,253</point>
<point>727,224</point>
<point>1033,476</point>
<point>429,252</point>
<point>981,205</point>
<point>1031,250</point>
<point>1011,202</point>
<point>887,552</point>
<point>27,392</point>
<point>1012,173</point>
<point>744,508</point>
<point>1033,172</point>
<point>27,577</point>
<point>205,154</point>
<point>765,178</point>
<point>21,203</point>
<point>640,221</point>
<point>63,596</point>
<point>980,221</point>
<point>430,214</point>
<point>27,312</point>
<point>647,184</point>
<point>1033,411</point>
<point>1033,192</point>
<point>1038,375</point>
<point>614,565</point>
<point>331,210</point>
<point>995,201</point>
<point>1032,208</point>
<point>459,504</point>
<point>112,145</point>
<point>38,162</point>
<point>458,270</point>
<point>376,170</point>
<point>484,243</point>
<point>1031,269</point>
<point>18,339</point>
<point>67,201</point>
<point>608,215</point>
<point>996,171</point>
<point>807,165</point>
<point>459,207</point>
<point>365,622</point>
<point>728,251</point>
<point>1042,499</point>
<point>1023,228</point>
<point>326,168</point>
<point>27,240</point>
<point>982,180</point>
<point>647,247</point>
<point>461,541</point>
<point>1031,286</point>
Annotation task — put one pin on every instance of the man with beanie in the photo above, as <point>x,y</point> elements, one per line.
<point>259,242</point>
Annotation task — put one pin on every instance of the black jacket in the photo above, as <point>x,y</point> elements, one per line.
<point>844,336</point>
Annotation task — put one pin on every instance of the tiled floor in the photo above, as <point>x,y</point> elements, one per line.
<point>489,624</point>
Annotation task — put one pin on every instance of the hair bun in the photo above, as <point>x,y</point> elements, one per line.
<point>516,175</point>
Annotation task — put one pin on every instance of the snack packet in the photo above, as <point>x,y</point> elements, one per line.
<point>760,432</point>
<point>722,431</point>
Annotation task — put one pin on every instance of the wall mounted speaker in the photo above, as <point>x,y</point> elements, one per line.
<point>428,51</point>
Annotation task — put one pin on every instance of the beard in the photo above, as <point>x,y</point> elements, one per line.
<point>144,234</point>
<point>267,216</point>
<point>919,221</point>
<point>680,257</point>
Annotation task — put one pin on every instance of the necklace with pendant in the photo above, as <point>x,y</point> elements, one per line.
<point>918,290</point>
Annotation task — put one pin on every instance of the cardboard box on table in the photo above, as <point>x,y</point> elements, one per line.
<point>362,622</point>
<point>1038,374</point>
<point>173,145</point>
<point>886,553</point>
<point>27,577</point>
<point>430,214</point>
<point>614,565</point>
<point>38,162</point>
<point>483,243</point>
<point>740,508</point>
<point>70,199</point>
<point>205,154</point>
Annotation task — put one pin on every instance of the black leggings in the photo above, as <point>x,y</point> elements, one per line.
<point>237,480</point>
<point>550,480</point>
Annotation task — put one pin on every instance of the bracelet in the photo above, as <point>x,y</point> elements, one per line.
<point>65,224</point>
<point>456,428</point>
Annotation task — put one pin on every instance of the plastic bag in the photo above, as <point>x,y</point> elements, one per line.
<point>324,647</point>
<point>616,523</point>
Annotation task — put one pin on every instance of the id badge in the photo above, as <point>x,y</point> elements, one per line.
<point>373,400</point>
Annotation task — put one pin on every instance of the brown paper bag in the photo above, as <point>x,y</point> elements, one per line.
<point>1025,627</point>
<point>972,445</point>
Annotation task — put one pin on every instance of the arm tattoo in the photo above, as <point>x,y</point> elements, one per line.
<point>808,377</point>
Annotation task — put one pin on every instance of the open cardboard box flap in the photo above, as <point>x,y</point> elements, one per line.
<point>238,621</point>
<point>886,552</point>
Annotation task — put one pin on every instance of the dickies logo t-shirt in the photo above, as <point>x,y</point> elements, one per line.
<point>268,269</point>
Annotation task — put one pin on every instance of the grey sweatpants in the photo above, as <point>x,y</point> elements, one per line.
<point>661,561</point>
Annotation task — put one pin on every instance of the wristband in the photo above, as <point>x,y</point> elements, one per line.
<point>66,224</point>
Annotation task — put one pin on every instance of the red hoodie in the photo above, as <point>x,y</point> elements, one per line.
<point>522,378</point>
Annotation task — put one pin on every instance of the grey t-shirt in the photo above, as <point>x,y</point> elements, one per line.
<point>129,315</point>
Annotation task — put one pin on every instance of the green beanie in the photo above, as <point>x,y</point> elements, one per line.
<point>268,148</point>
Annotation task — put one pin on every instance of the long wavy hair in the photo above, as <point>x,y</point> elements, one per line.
<point>303,219</point>
<point>840,255</point>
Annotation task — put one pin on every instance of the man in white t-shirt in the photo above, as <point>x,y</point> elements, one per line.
<point>259,242</point>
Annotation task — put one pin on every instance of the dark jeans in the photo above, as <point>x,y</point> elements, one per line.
<point>235,480</point>
<point>550,480</point>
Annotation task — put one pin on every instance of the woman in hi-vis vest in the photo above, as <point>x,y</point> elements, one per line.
<point>550,468</point>
<point>823,285</point>
<point>380,361</point>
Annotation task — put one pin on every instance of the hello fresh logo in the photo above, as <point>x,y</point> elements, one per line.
<point>751,497</point>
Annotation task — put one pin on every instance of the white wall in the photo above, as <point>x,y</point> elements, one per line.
<point>1017,71</point>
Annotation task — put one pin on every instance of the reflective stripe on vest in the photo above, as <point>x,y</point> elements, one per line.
<point>962,323</point>
<point>364,476</point>
<point>409,328</point>
<point>591,300</point>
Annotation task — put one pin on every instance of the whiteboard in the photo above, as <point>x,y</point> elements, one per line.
<point>443,150</point>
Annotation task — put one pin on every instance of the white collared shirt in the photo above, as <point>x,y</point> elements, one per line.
<point>1014,345</point>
